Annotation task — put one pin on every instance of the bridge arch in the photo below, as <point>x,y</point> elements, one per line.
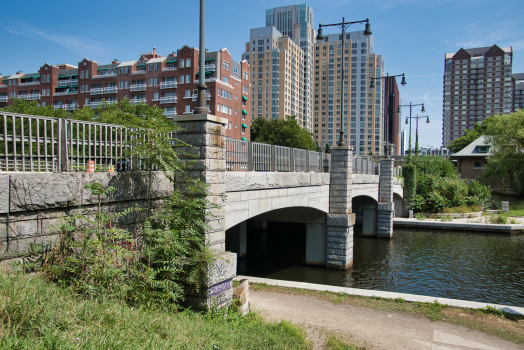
<point>365,209</point>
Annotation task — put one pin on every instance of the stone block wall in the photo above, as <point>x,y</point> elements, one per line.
<point>385,205</point>
<point>33,205</point>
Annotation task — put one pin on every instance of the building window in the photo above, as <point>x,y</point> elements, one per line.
<point>187,109</point>
<point>188,62</point>
<point>87,74</point>
<point>182,63</point>
<point>477,165</point>
<point>188,79</point>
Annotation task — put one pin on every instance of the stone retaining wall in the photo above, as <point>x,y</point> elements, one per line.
<point>32,205</point>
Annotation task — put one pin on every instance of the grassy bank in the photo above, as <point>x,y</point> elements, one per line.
<point>35,314</point>
<point>516,205</point>
<point>491,321</point>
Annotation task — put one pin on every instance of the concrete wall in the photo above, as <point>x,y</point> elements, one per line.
<point>36,203</point>
<point>250,194</point>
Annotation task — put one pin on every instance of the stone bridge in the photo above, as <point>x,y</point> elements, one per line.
<point>329,203</point>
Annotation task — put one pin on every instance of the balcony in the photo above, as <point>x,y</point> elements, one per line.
<point>210,67</point>
<point>138,87</point>
<point>3,98</point>
<point>94,104</point>
<point>194,97</point>
<point>30,83</point>
<point>67,107</point>
<point>97,91</point>
<point>62,93</point>
<point>168,69</point>
<point>30,97</point>
<point>170,114</point>
<point>168,85</point>
<point>168,99</point>
<point>3,86</point>
<point>141,71</point>
<point>110,90</point>
<point>136,101</point>
<point>67,82</point>
<point>107,75</point>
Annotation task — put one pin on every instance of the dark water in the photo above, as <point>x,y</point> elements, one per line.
<point>467,266</point>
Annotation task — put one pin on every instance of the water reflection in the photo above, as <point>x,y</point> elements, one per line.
<point>479,267</point>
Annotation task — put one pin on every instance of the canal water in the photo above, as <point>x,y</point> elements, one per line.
<point>458,265</point>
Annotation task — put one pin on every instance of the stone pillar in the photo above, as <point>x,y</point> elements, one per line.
<point>385,206</point>
<point>340,220</point>
<point>206,134</point>
<point>316,244</point>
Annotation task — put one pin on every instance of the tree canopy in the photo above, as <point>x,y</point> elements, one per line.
<point>506,165</point>
<point>282,132</point>
<point>469,136</point>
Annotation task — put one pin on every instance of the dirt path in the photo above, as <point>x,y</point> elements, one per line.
<point>374,329</point>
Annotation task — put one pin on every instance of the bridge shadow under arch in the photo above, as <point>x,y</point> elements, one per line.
<point>365,209</point>
<point>277,240</point>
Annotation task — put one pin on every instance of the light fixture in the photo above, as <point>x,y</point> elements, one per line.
<point>423,109</point>
<point>403,83</point>
<point>398,109</point>
<point>319,35</point>
<point>427,121</point>
<point>407,121</point>
<point>372,84</point>
<point>367,31</point>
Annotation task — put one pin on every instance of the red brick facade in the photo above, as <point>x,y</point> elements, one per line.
<point>167,82</point>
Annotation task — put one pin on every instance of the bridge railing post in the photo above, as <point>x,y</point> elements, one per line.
<point>250,156</point>
<point>307,161</point>
<point>291,159</point>
<point>320,162</point>
<point>273,159</point>
<point>385,205</point>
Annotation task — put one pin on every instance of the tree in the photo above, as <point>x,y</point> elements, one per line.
<point>506,165</point>
<point>282,132</point>
<point>328,148</point>
<point>469,136</point>
<point>34,108</point>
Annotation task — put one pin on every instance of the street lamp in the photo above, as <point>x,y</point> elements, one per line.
<point>201,107</point>
<point>410,109</point>
<point>386,98</point>
<point>416,128</point>
<point>343,25</point>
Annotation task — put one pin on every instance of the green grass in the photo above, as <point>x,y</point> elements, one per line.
<point>335,343</point>
<point>516,205</point>
<point>35,314</point>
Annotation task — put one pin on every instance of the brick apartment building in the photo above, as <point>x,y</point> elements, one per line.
<point>167,82</point>
<point>477,85</point>
<point>518,90</point>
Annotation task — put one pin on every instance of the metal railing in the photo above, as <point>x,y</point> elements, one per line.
<point>254,156</point>
<point>168,99</point>
<point>168,84</point>
<point>35,143</point>
<point>365,166</point>
<point>137,87</point>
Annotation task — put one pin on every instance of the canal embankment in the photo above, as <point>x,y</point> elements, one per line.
<point>384,294</point>
<point>480,225</point>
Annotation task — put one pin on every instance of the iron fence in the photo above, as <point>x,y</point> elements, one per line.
<point>254,156</point>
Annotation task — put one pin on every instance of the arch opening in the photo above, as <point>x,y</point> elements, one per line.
<point>365,209</point>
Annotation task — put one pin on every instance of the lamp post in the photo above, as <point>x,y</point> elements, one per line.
<point>201,107</point>
<point>386,96</point>
<point>343,25</point>
<point>416,128</point>
<point>410,109</point>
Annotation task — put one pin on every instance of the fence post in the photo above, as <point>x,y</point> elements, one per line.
<point>307,161</point>
<point>292,160</point>
<point>250,156</point>
<point>273,160</point>
<point>62,145</point>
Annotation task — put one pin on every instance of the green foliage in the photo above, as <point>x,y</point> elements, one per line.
<point>500,219</point>
<point>328,148</point>
<point>35,314</point>
<point>469,136</point>
<point>506,165</point>
<point>409,172</point>
<point>438,187</point>
<point>282,132</point>
<point>335,343</point>
<point>33,107</point>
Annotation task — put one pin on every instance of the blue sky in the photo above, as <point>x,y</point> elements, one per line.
<point>412,35</point>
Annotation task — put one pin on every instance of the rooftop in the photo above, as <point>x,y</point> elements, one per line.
<point>473,150</point>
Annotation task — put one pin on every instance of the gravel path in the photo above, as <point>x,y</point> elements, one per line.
<point>371,328</point>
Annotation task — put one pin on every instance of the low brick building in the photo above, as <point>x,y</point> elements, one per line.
<point>472,159</point>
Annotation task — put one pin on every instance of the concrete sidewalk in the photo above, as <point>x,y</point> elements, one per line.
<point>461,225</point>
